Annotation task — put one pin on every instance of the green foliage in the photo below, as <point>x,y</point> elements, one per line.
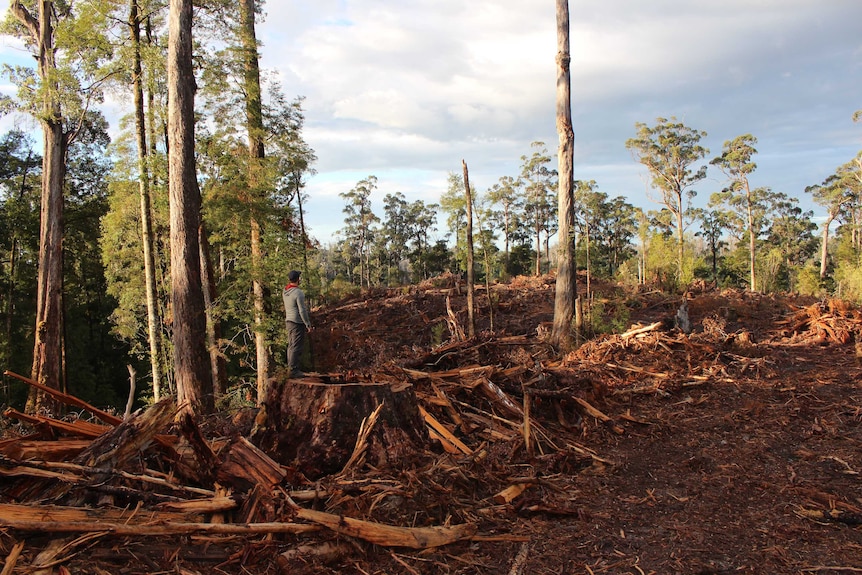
<point>453,203</point>
<point>438,331</point>
<point>340,289</point>
<point>735,267</point>
<point>627,273</point>
<point>808,282</point>
<point>95,362</point>
<point>435,261</point>
<point>237,397</point>
<point>662,267</point>
<point>608,316</point>
<point>521,260</point>
<point>20,181</point>
<point>360,229</point>
<point>848,278</point>
<point>606,228</point>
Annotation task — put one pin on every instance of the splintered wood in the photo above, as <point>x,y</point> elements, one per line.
<point>156,473</point>
<point>243,468</point>
<point>456,444</point>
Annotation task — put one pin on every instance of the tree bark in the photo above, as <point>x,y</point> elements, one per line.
<point>824,246</point>
<point>566,287</point>
<point>218,363</point>
<point>193,377</point>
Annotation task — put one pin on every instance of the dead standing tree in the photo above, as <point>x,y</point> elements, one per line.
<point>471,317</point>
<point>566,289</point>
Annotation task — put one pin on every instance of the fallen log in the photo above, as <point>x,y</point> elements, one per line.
<point>245,466</point>
<point>11,513</point>
<point>835,515</point>
<point>68,399</point>
<point>49,519</point>
<point>510,493</point>
<point>81,475</point>
<point>638,330</point>
<point>215,504</point>
<point>499,397</point>
<point>55,450</point>
<point>325,552</point>
<point>205,460</point>
<point>129,438</point>
<point>592,411</point>
<point>77,428</point>
<point>151,530</point>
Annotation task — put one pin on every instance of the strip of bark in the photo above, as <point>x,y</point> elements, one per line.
<point>389,535</point>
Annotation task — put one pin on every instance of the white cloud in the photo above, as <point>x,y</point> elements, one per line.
<point>405,90</point>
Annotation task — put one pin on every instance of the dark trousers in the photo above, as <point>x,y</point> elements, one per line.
<point>295,339</point>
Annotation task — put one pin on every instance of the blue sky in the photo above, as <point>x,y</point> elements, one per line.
<point>406,90</point>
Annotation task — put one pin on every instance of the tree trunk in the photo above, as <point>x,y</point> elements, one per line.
<point>218,363</point>
<point>471,318</point>
<point>191,364</point>
<point>566,287</point>
<point>587,245</point>
<point>824,246</point>
<point>254,126</point>
<point>153,318</point>
<point>47,349</point>
<point>506,233</point>
<point>303,235</point>
<point>314,426</point>
<point>538,245</point>
<point>751,236</point>
<point>680,237</point>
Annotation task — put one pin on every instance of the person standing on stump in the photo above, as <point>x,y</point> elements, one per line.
<point>298,321</point>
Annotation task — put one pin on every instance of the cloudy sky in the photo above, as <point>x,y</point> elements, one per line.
<point>406,89</point>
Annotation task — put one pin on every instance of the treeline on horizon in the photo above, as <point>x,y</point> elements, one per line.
<point>254,221</point>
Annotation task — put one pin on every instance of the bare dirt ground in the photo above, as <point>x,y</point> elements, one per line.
<point>731,449</point>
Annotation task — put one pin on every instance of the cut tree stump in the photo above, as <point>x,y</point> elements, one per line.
<point>313,426</point>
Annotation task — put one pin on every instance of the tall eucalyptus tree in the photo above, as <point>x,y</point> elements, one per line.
<point>360,224</point>
<point>506,196</point>
<point>538,184</point>
<point>58,95</point>
<point>670,150</point>
<point>191,361</point>
<point>736,163</point>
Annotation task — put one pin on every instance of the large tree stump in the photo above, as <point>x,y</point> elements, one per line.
<point>313,426</point>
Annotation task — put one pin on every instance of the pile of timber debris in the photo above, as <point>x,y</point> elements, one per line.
<point>497,436</point>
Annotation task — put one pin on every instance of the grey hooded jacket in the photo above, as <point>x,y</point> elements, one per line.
<point>295,309</point>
